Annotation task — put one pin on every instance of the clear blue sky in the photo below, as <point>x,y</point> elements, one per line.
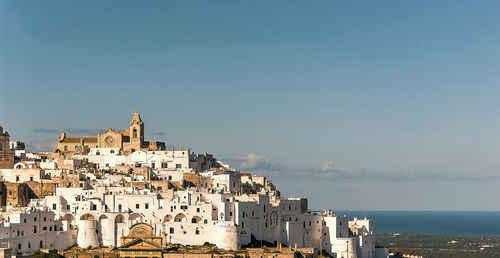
<point>357,105</point>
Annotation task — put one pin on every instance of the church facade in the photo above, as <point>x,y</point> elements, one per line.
<point>128,141</point>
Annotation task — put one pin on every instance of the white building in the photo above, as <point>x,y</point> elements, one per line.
<point>30,230</point>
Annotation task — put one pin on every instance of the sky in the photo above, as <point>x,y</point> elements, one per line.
<point>360,105</point>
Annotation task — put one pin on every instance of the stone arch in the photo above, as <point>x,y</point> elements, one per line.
<point>119,219</point>
<point>87,216</point>
<point>103,216</point>
<point>167,218</point>
<point>135,218</point>
<point>196,219</point>
<point>180,217</point>
<point>68,217</point>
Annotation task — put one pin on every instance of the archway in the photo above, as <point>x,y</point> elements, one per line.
<point>135,218</point>
<point>68,217</point>
<point>167,218</point>
<point>180,218</point>
<point>87,217</point>
<point>196,219</point>
<point>119,219</point>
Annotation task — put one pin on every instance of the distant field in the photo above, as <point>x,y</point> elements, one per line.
<point>441,245</point>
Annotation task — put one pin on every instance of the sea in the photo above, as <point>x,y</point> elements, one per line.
<point>432,222</point>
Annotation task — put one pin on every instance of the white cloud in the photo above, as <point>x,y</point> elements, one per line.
<point>256,161</point>
<point>42,144</point>
<point>329,165</point>
<point>329,171</point>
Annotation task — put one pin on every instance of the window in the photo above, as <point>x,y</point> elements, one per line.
<point>112,151</point>
<point>197,209</point>
<point>197,232</point>
<point>119,207</point>
<point>242,224</point>
<point>137,206</point>
<point>178,165</point>
<point>41,244</point>
<point>24,220</point>
<point>171,230</point>
<point>34,229</point>
<point>31,178</point>
<point>230,214</point>
<point>169,177</point>
<point>135,133</point>
<point>65,148</point>
<point>34,219</point>
<point>29,244</point>
<point>44,219</point>
<point>19,246</point>
<point>81,184</point>
<point>146,205</point>
<point>68,207</point>
<point>17,178</point>
<point>97,153</point>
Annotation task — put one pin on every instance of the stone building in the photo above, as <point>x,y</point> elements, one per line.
<point>141,242</point>
<point>6,154</point>
<point>129,140</point>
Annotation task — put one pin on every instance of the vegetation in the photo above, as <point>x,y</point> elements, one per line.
<point>441,245</point>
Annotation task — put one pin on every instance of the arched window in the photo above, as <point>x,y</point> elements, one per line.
<point>171,230</point>
<point>135,133</point>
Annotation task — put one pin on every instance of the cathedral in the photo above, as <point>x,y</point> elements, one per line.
<point>130,140</point>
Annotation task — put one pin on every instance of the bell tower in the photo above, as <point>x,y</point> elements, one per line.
<point>136,132</point>
<point>6,154</point>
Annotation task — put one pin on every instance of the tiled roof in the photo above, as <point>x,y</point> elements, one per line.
<point>78,139</point>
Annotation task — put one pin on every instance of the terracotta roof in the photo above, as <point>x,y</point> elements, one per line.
<point>78,139</point>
